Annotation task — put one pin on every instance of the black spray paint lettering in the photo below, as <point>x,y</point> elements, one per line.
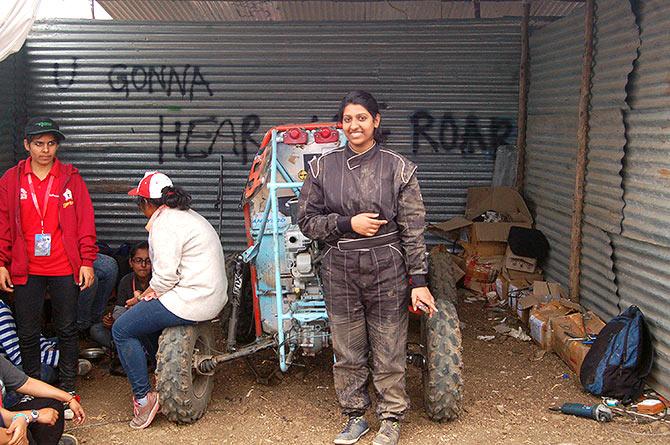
<point>197,138</point>
<point>137,78</point>
<point>472,137</point>
<point>65,84</point>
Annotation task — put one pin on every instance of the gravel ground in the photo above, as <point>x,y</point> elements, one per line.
<point>509,384</point>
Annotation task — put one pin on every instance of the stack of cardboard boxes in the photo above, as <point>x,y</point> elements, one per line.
<point>554,322</point>
<point>486,253</point>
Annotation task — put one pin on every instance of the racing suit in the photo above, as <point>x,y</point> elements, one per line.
<point>366,279</point>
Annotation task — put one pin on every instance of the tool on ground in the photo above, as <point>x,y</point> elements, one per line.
<point>598,412</point>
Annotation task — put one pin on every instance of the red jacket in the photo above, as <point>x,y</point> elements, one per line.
<point>75,215</point>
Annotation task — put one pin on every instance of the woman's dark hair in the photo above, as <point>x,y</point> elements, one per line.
<point>173,197</point>
<point>367,101</point>
<point>138,246</point>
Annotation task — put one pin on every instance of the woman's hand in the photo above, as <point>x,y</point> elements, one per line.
<point>149,294</point>
<point>366,224</point>
<point>86,277</point>
<point>47,416</point>
<point>19,432</point>
<point>6,280</point>
<point>132,301</point>
<point>422,296</point>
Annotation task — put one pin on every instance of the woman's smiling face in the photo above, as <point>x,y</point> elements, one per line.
<point>359,126</point>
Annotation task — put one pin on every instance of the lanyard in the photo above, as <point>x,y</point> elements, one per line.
<point>46,198</point>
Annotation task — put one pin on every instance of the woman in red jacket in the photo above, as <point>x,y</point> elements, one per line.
<point>47,242</point>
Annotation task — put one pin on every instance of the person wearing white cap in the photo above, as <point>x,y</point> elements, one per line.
<point>188,284</point>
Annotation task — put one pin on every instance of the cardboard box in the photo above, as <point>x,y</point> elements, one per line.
<point>511,280</point>
<point>481,272</point>
<point>520,263</point>
<point>505,200</point>
<point>485,250</point>
<point>566,329</point>
<point>539,321</point>
<point>543,292</point>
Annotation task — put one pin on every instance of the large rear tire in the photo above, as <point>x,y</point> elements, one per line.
<point>183,392</point>
<point>441,348</point>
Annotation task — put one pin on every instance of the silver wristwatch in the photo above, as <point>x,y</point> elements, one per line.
<point>34,414</point>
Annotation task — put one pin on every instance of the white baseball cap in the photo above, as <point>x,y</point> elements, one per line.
<point>151,186</point>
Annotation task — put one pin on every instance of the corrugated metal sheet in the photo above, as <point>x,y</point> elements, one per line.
<point>556,66</point>
<point>458,80</point>
<point>315,10</point>
<point>12,107</point>
<point>555,70</point>
<point>644,280</point>
<point>617,39</point>
<point>597,280</point>
<point>651,84</point>
<point>647,174</point>
<point>553,223</point>
<point>642,254</point>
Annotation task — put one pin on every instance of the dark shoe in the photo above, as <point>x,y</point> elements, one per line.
<point>355,428</point>
<point>115,368</point>
<point>68,439</point>
<point>388,434</point>
<point>144,415</point>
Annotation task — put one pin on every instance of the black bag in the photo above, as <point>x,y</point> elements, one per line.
<point>528,242</point>
<point>620,358</point>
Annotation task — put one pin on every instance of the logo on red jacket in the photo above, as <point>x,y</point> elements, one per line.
<point>23,194</point>
<point>67,196</point>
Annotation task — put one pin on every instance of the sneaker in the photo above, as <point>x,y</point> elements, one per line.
<point>355,428</point>
<point>84,367</point>
<point>68,439</point>
<point>388,434</point>
<point>144,415</point>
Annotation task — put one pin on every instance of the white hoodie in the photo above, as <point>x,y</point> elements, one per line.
<point>188,268</point>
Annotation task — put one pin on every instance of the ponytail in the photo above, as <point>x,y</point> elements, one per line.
<point>176,198</point>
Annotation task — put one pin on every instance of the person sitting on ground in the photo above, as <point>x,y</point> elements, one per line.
<point>128,292</point>
<point>38,419</point>
<point>93,301</point>
<point>188,282</point>
<point>9,348</point>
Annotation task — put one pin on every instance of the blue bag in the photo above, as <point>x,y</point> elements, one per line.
<point>620,358</point>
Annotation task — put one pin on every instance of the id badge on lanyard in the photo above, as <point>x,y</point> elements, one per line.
<point>42,240</point>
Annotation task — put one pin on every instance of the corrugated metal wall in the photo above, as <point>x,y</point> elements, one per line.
<point>555,71</point>
<point>12,106</point>
<point>626,241</point>
<point>138,96</point>
<point>642,253</point>
<point>616,41</point>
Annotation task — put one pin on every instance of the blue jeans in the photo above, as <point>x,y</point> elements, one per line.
<point>92,301</point>
<point>135,333</point>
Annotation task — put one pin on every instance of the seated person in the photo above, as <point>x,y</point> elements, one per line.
<point>38,419</point>
<point>130,288</point>
<point>9,348</point>
<point>93,300</point>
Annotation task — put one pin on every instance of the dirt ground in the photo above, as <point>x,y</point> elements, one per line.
<point>509,385</point>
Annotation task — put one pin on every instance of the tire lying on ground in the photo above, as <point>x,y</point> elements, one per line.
<point>441,348</point>
<point>183,393</point>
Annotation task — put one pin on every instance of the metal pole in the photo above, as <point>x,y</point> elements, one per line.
<point>522,117</point>
<point>582,145</point>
